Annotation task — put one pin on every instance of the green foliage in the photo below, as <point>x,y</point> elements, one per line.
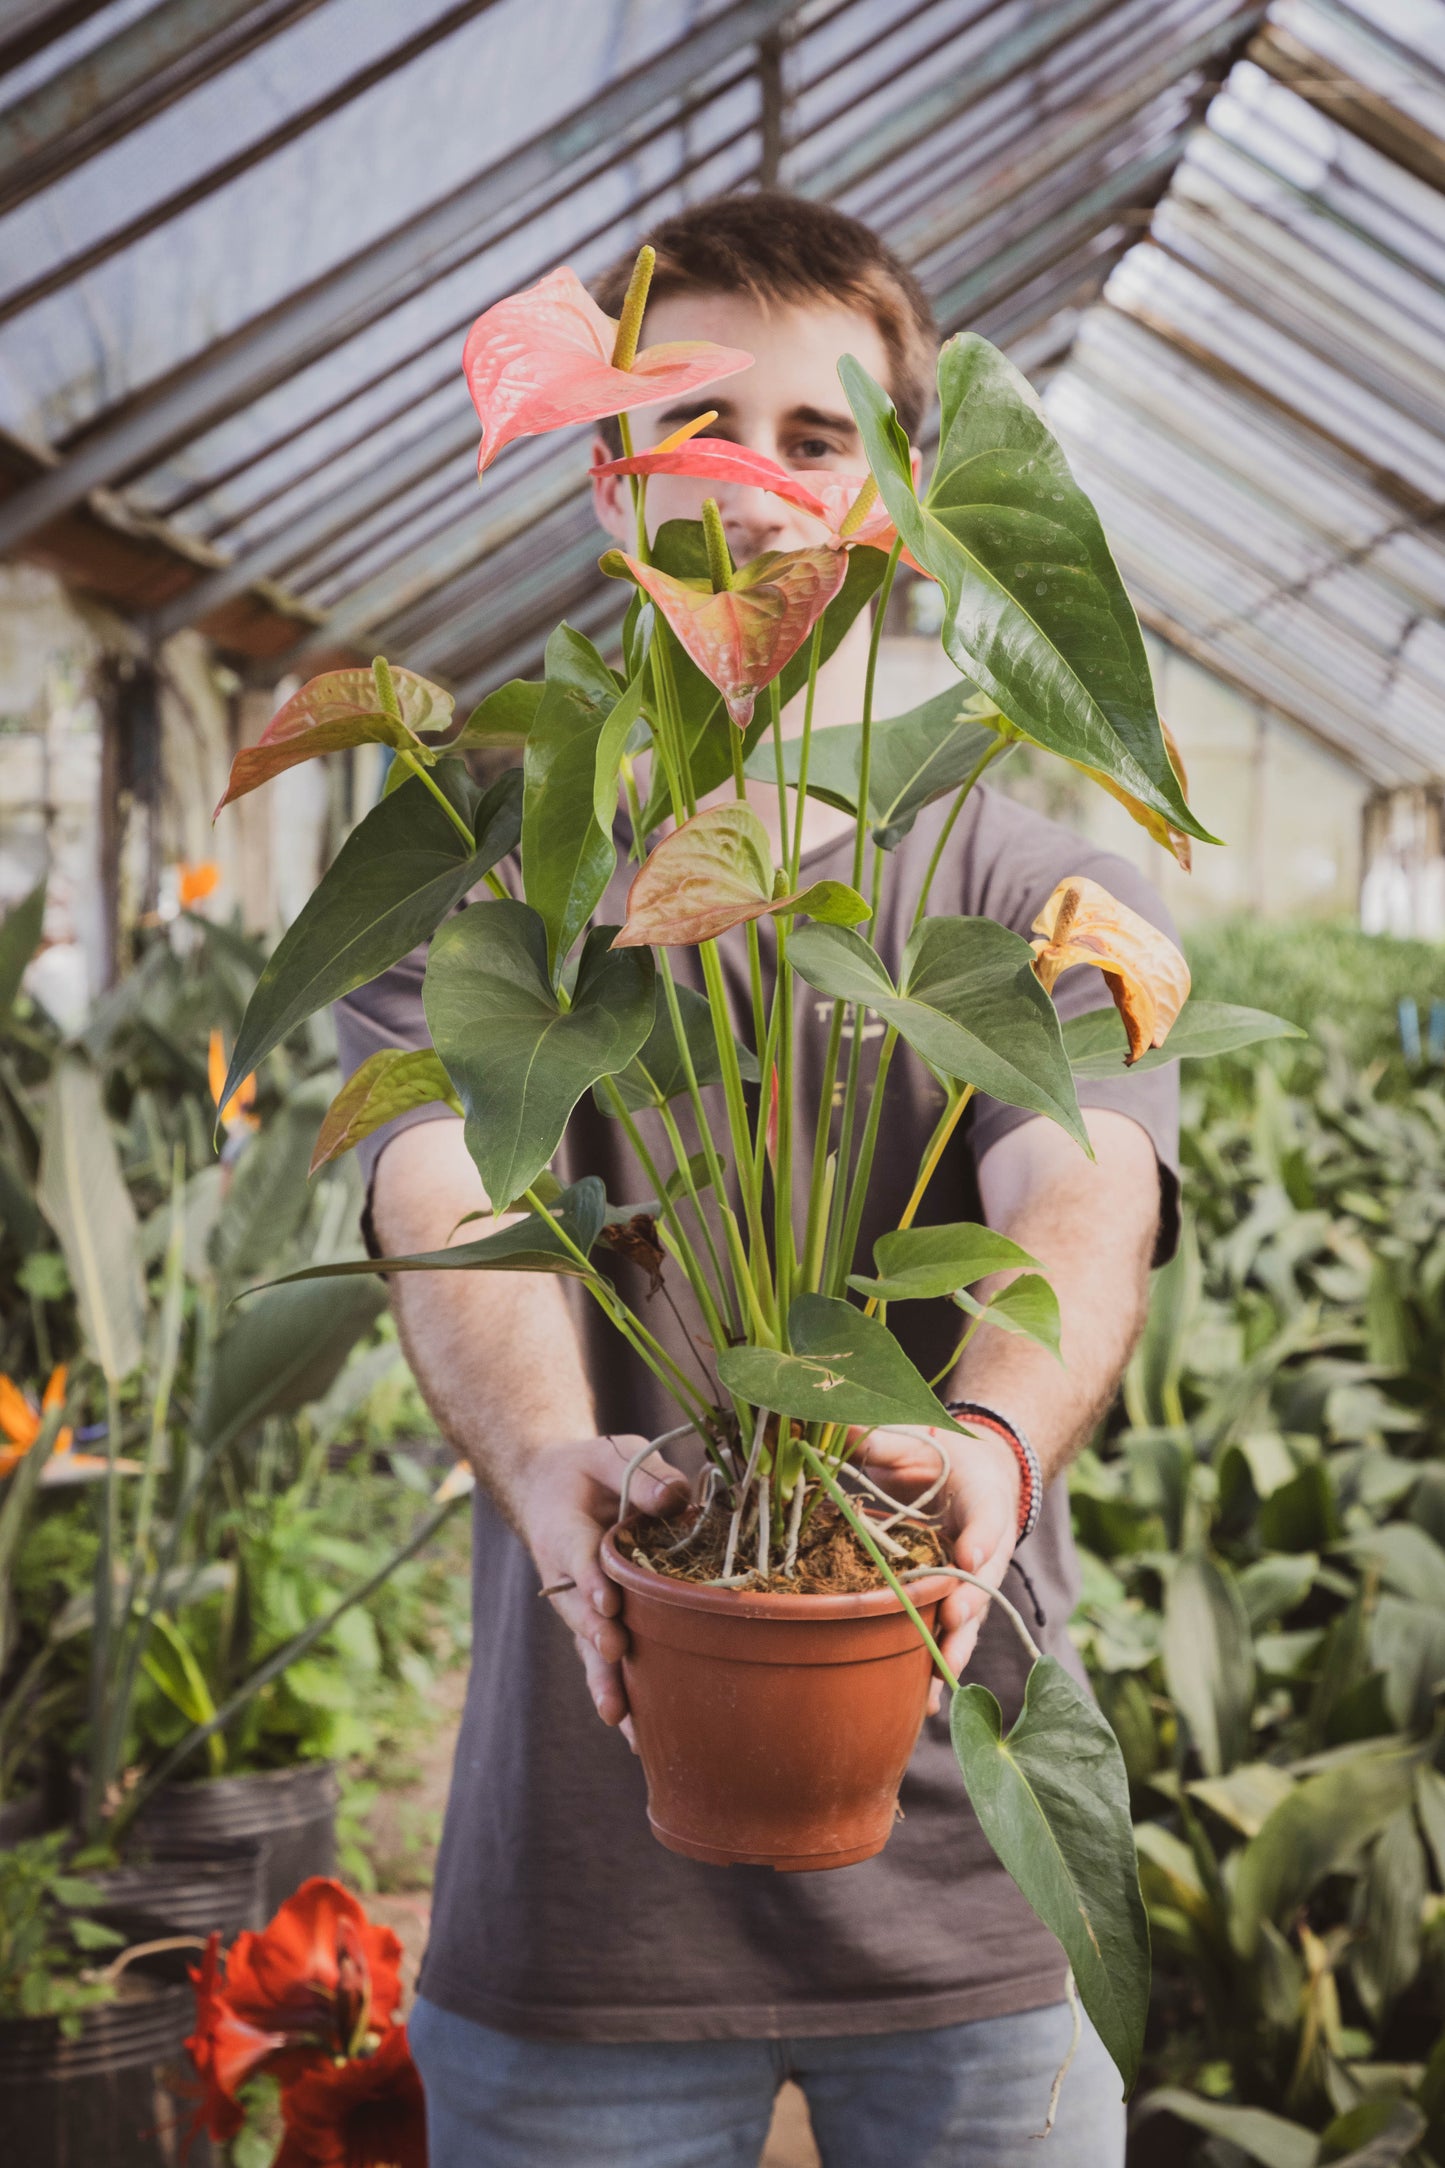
<point>1319,973</point>
<point>48,1940</point>
<point>1264,1610</point>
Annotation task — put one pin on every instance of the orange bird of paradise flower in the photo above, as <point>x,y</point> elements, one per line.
<point>21,1423</point>
<point>237,1113</point>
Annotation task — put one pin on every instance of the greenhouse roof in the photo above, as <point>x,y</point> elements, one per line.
<point>242,241</point>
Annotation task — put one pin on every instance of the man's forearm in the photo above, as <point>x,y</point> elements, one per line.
<point>495,1354</point>
<point>1092,1227</point>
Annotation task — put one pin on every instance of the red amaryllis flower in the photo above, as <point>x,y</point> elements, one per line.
<point>743,636</point>
<point>321,1972</point>
<point>824,495</point>
<point>366,2113</point>
<point>225,2049</point>
<point>542,360</point>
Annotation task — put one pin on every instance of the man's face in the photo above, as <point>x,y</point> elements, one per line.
<point>789,406</point>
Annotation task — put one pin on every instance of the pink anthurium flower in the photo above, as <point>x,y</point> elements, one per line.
<point>743,636</point>
<point>542,360</point>
<point>824,495</point>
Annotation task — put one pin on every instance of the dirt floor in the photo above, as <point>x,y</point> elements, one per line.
<point>403,1825</point>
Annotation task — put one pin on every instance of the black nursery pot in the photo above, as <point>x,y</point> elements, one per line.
<point>177,1886</point>
<point>121,2093</point>
<point>291,1813</point>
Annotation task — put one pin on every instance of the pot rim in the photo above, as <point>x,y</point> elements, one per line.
<point>763,1604</point>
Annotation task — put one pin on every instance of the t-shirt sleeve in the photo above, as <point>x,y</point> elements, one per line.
<point>387,1012</point>
<point>1015,862</point>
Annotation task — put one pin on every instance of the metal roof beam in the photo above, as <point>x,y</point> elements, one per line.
<point>39,24</point>
<point>109,91</point>
<point>205,184</point>
<point>307,324</point>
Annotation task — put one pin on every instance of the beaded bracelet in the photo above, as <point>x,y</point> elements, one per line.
<point>1031,1488</point>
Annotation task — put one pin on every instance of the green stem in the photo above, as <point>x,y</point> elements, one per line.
<point>755,959</point>
<point>850,1220</point>
<point>683,1163</point>
<point>865,750</point>
<point>865,1536</point>
<point>815,658</point>
<point>737,1257</point>
<point>409,760</point>
<point>991,752</point>
<point>100,1713</point>
<point>749,1180</point>
<point>691,1263</point>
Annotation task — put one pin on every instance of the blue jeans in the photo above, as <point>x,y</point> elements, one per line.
<point>959,2096</point>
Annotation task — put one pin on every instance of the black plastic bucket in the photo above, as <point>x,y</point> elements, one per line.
<point>180,1886</point>
<point>120,2095</point>
<point>292,1812</point>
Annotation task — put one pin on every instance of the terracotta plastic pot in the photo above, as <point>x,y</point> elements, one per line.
<point>773,1730</point>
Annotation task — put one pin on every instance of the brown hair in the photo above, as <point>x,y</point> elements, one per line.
<point>778,247</point>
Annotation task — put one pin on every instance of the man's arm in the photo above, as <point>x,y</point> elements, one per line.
<point>1092,1226</point>
<point>497,1359</point>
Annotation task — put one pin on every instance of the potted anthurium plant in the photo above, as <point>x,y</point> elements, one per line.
<point>530,1005</point>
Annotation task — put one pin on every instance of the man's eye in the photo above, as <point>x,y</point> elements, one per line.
<point>814,449</point>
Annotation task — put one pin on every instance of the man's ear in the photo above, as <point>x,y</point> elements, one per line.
<point>611,498</point>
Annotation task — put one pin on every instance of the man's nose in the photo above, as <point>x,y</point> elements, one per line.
<point>753,520</point>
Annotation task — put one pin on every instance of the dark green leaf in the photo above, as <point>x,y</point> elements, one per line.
<point>1270,1588</point>
<point>1053,1800</point>
<point>1266,2138</point>
<point>969,1004</point>
<point>1321,1825</point>
<point>1096,1043</point>
<point>1407,1559</point>
<point>1209,1659</point>
<point>280,1352</point>
<point>915,758</point>
<point>19,938</point>
<point>392,883</point>
<point>611,745</point>
<point>656,1074</point>
<point>918,1264</point>
<point>1375,2133</point>
<point>520,1062</point>
<point>501,722</point>
<point>567,860</point>
<point>844,1368</point>
<point>527,1244</point>
<point>1034,609</point>
<point>1389,1908</point>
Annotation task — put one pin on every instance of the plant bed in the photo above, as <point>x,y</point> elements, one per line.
<point>773,1725</point>
<point>291,1813</point>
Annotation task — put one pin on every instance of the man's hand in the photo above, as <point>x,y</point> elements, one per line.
<point>561,1499</point>
<point>978,1506</point>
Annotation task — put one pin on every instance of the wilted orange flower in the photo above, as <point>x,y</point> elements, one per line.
<point>1083,924</point>
<point>543,360</point>
<point>195,882</point>
<point>236,1113</point>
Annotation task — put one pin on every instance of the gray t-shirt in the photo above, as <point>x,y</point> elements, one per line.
<point>556,1913</point>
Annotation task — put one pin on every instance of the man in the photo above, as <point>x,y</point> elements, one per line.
<point>589,1998</point>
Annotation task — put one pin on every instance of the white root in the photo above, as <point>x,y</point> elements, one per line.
<point>1063,2070</point>
<point>956,1573</point>
<point>764,1503</point>
<point>795,1527</point>
<point>653,1445</point>
<point>735,1525</point>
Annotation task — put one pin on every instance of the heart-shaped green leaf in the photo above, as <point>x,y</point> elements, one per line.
<point>656,1074</point>
<point>1053,1801</point>
<point>1096,1043</point>
<point>527,1244</point>
<point>502,721</point>
<point>1034,609</point>
<point>1028,1306</point>
<point>916,757</point>
<point>844,1368</point>
<point>969,1004</point>
<point>920,1264</point>
<point>567,859</point>
<point>391,884</point>
<point>715,872</point>
<point>389,1082</point>
<point>518,1060</point>
<point>338,710</point>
